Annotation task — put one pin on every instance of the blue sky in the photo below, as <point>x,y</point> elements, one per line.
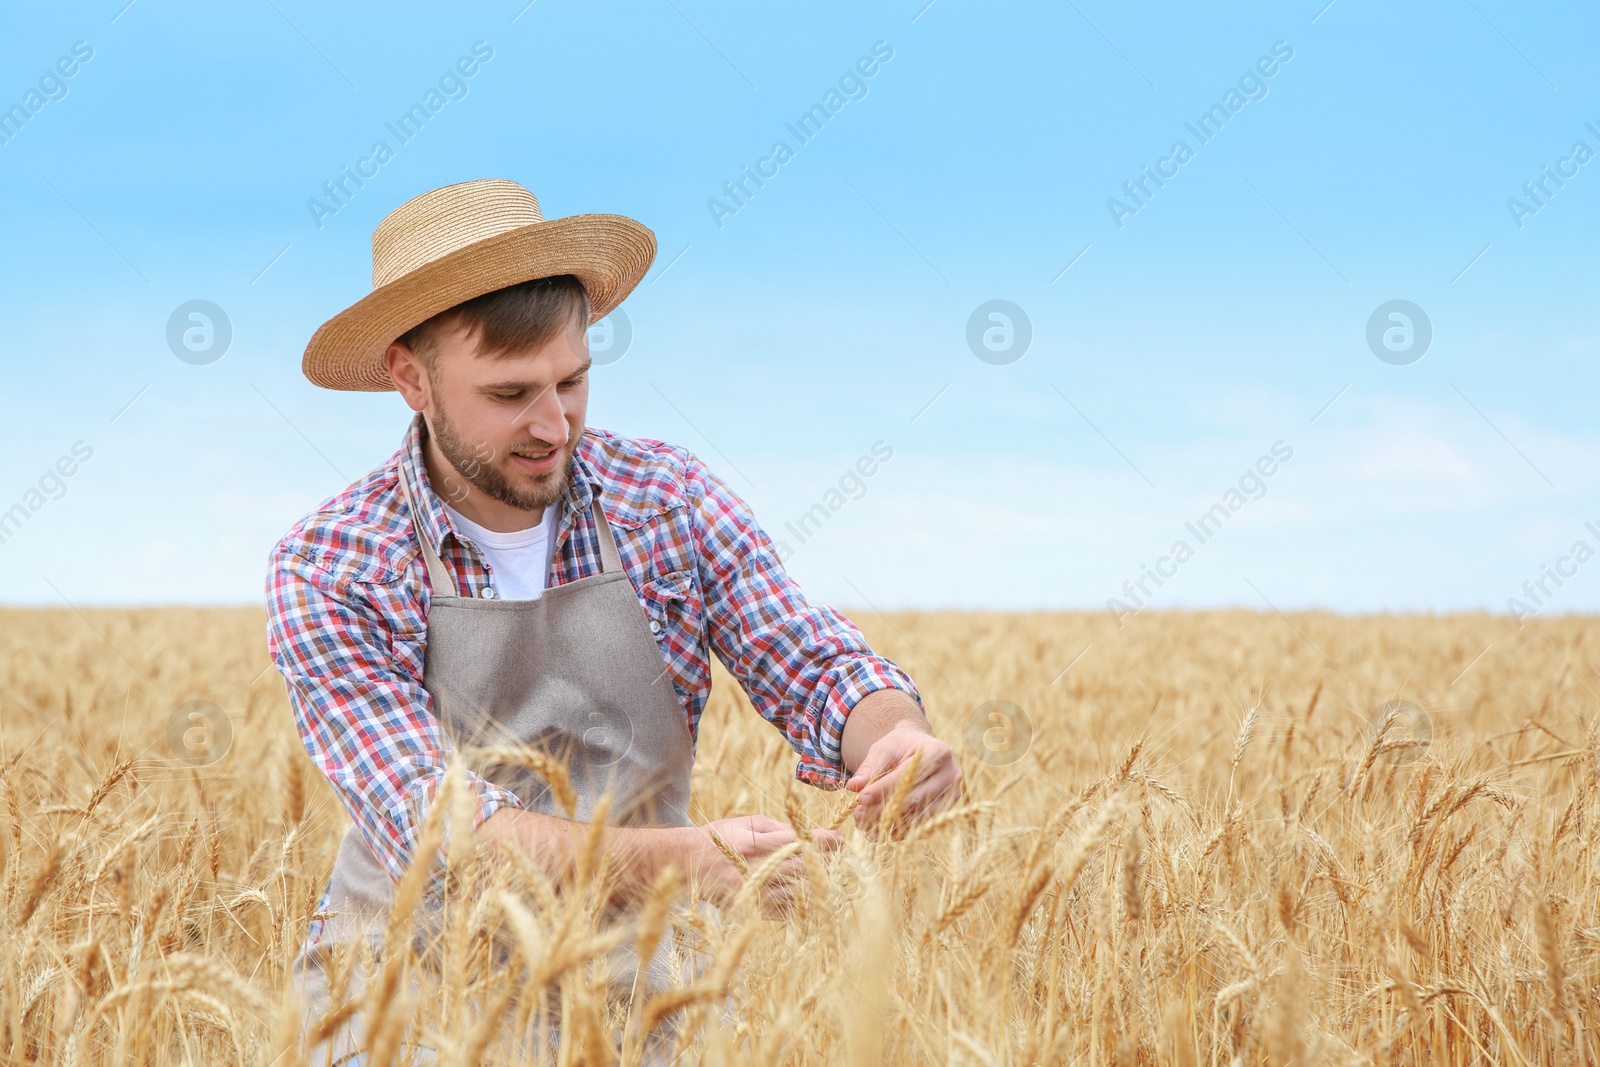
<point>1168,355</point>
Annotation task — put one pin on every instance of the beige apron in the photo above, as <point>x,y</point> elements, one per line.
<point>577,672</point>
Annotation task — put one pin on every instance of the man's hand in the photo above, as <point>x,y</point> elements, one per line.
<point>639,853</point>
<point>753,838</point>
<point>883,732</point>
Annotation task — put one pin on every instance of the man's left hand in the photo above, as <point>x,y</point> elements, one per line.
<point>896,738</point>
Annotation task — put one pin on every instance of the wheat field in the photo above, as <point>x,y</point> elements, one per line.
<point>1216,847</point>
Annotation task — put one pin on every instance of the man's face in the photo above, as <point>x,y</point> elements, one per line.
<point>509,425</point>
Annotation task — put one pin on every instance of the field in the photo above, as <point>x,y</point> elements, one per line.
<point>1215,848</point>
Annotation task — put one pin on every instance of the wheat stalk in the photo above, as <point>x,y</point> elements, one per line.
<point>542,763</point>
<point>729,853</point>
<point>896,800</point>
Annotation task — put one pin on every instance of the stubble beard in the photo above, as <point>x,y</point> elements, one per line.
<point>486,475</point>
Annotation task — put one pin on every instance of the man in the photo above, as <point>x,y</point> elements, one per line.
<point>512,575</point>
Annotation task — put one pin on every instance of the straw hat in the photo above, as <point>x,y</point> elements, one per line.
<point>452,244</point>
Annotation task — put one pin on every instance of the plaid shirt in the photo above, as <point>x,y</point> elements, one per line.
<point>348,593</point>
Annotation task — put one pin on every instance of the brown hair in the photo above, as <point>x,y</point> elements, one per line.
<point>509,320</point>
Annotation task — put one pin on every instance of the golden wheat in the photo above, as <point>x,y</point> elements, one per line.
<point>1224,844</point>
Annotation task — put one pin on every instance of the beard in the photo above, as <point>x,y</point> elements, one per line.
<point>478,464</point>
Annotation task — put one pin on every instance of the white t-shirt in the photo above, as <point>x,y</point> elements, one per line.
<point>518,561</point>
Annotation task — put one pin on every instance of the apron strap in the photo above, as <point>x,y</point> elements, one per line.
<point>438,576</point>
<point>610,560</point>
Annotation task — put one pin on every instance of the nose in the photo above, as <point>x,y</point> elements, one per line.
<point>545,419</point>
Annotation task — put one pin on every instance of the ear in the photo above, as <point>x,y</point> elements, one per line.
<point>409,375</point>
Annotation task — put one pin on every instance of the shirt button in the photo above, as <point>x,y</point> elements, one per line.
<point>487,593</point>
<point>655,627</point>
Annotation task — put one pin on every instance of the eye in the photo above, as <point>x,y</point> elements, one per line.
<point>572,383</point>
<point>508,397</point>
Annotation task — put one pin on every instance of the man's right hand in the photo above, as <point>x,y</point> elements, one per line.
<point>753,838</point>
<point>640,852</point>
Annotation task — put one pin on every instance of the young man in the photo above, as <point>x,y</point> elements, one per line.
<point>511,574</point>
